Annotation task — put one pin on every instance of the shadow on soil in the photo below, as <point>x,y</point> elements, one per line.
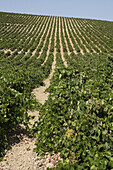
<point>17,134</point>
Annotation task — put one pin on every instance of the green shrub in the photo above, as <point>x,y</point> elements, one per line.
<point>77,120</point>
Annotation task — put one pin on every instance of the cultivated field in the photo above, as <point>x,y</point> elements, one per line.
<point>72,59</point>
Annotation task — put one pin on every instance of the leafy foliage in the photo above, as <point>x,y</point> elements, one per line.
<point>15,100</point>
<point>77,120</point>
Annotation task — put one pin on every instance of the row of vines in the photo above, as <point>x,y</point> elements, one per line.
<point>77,119</point>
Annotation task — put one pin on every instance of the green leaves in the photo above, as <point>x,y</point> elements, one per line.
<point>76,120</point>
<point>15,100</point>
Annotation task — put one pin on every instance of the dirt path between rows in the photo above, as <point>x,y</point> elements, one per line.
<point>48,51</point>
<point>42,25</point>
<point>78,38</point>
<point>68,51</point>
<point>46,36</point>
<point>22,156</point>
<point>69,37</point>
<point>61,46</point>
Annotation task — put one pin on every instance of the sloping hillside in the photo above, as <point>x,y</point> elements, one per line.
<point>72,59</point>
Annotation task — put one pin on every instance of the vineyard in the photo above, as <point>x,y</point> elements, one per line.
<point>77,56</point>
